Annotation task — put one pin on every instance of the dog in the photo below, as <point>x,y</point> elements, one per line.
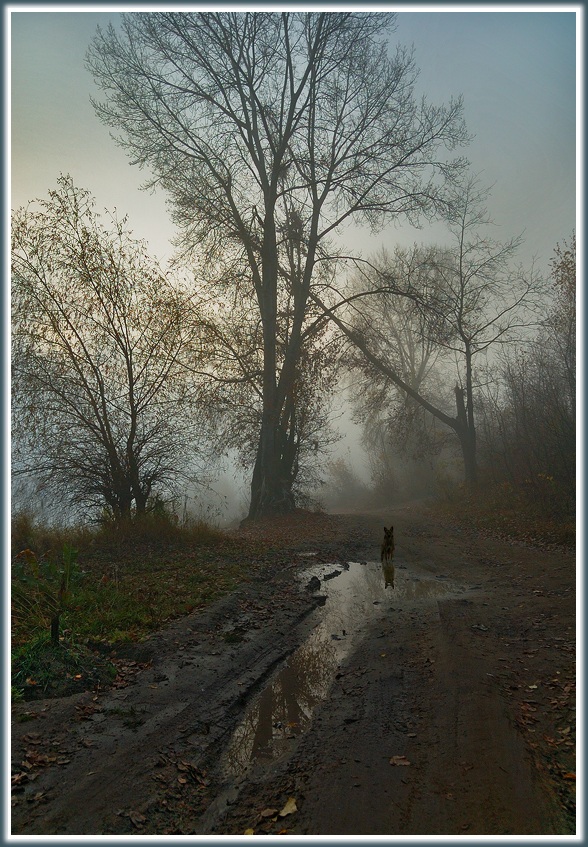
<point>387,555</point>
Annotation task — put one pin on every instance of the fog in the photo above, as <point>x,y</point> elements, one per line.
<point>515,69</point>
<point>517,74</point>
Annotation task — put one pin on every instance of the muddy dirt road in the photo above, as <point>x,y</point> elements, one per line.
<point>324,701</point>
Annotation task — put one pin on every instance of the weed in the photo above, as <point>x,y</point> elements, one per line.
<point>42,668</point>
<point>16,694</point>
<point>126,582</point>
<point>157,528</point>
<point>46,541</point>
<point>42,585</point>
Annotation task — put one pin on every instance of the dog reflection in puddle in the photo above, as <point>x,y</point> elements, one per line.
<point>387,556</point>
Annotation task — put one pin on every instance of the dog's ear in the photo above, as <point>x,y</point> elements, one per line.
<point>385,530</point>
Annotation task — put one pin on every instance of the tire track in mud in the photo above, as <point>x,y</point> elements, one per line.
<point>413,735</point>
<point>423,689</point>
<point>187,702</point>
<point>435,710</point>
<point>477,777</point>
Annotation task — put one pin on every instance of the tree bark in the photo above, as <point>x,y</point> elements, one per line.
<point>467,438</point>
<point>271,486</point>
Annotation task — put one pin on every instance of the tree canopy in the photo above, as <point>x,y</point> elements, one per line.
<point>101,400</point>
<point>269,132</point>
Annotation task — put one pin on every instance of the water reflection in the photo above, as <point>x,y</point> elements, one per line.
<point>284,709</point>
<point>388,571</point>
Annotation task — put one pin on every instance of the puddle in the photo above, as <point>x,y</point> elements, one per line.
<point>284,709</point>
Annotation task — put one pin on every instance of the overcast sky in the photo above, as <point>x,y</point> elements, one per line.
<point>515,70</point>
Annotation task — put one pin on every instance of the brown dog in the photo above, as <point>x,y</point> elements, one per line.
<point>387,554</point>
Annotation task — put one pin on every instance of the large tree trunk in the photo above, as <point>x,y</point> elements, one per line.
<point>271,487</point>
<point>271,484</point>
<point>466,432</point>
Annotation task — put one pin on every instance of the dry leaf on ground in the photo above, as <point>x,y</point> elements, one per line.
<point>399,760</point>
<point>289,808</point>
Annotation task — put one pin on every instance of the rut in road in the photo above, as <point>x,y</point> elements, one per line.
<point>412,733</point>
<point>186,704</point>
<point>418,690</point>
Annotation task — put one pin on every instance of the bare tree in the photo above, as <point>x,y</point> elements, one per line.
<point>472,300</point>
<point>560,326</point>
<point>402,334</point>
<point>270,131</point>
<point>101,404</point>
<point>530,429</point>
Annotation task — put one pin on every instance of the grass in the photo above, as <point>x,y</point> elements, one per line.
<point>130,581</point>
<point>41,668</point>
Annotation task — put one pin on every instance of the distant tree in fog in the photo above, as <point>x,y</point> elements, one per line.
<point>466,300</point>
<point>269,131</point>
<point>530,423</point>
<point>560,327</point>
<point>102,408</point>
<point>401,334</point>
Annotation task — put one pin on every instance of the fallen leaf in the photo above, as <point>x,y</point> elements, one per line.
<point>399,760</point>
<point>17,779</point>
<point>569,775</point>
<point>268,813</point>
<point>249,832</point>
<point>137,818</point>
<point>289,808</point>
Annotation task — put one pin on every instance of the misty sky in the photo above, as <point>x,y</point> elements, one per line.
<point>515,70</point>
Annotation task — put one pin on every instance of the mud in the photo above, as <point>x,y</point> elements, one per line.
<point>284,709</point>
<point>418,709</point>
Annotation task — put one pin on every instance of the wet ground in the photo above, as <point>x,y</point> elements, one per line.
<point>326,701</point>
<point>352,591</point>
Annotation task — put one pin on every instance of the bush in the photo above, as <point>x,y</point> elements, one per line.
<point>45,541</point>
<point>159,528</point>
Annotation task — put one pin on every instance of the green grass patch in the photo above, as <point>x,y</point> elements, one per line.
<point>42,668</point>
<point>127,600</point>
<point>130,580</point>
